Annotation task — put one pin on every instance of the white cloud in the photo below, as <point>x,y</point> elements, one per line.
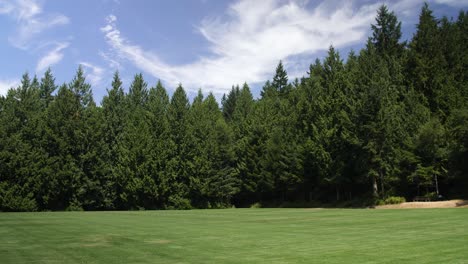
<point>52,57</point>
<point>248,41</point>
<point>5,85</point>
<point>93,73</point>
<point>144,60</point>
<point>30,21</point>
<point>455,3</point>
<point>112,62</point>
<point>408,10</point>
<point>5,7</point>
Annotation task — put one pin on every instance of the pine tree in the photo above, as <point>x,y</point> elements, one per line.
<point>431,149</point>
<point>160,146</point>
<point>386,33</point>
<point>178,163</point>
<point>426,61</point>
<point>81,89</point>
<point>138,92</point>
<point>229,103</point>
<point>20,160</point>
<point>245,104</point>
<point>280,80</point>
<point>113,107</point>
<point>47,87</point>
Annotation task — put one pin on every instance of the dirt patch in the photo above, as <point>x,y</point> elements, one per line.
<point>440,204</point>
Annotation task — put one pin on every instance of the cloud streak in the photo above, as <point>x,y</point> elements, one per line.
<point>93,73</point>
<point>250,39</point>
<point>52,57</point>
<point>455,3</point>
<point>30,21</point>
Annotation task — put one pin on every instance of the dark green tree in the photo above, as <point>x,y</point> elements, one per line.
<point>229,102</point>
<point>81,89</point>
<point>178,162</point>
<point>386,33</point>
<point>113,108</point>
<point>280,80</point>
<point>138,91</point>
<point>47,87</point>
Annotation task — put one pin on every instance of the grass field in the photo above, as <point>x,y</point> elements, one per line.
<point>237,236</point>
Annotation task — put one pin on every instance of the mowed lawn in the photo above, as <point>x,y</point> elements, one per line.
<point>237,236</point>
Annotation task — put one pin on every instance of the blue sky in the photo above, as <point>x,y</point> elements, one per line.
<point>208,44</point>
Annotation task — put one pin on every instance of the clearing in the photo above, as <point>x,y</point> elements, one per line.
<point>237,236</point>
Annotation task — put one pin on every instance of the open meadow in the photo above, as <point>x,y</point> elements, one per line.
<point>237,236</point>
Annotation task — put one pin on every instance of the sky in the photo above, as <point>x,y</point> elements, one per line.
<point>207,44</point>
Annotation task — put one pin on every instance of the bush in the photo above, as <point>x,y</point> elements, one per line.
<point>74,206</point>
<point>395,200</point>
<point>379,202</point>
<point>11,200</point>
<point>256,205</point>
<point>432,195</point>
<point>179,203</point>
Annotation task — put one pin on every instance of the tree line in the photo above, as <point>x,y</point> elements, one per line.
<point>390,120</point>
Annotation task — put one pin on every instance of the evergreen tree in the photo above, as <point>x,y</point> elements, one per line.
<point>229,103</point>
<point>114,120</point>
<point>386,33</point>
<point>389,121</point>
<point>178,163</point>
<point>47,87</point>
<point>280,80</point>
<point>160,146</point>
<point>426,60</point>
<point>81,89</point>
<point>431,151</point>
<point>458,151</point>
<point>138,92</point>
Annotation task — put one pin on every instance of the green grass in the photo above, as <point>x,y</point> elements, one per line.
<point>237,236</point>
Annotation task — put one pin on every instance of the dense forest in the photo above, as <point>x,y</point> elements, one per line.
<point>390,120</point>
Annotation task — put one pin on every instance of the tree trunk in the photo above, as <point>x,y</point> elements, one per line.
<point>375,188</point>
<point>337,193</point>
<point>382,189</point>
<point>437,185</point>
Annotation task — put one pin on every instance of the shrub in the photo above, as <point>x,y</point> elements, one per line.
<point>380,202</point>
<point>256,205</point>
<point>179,203</point>
<point>12,200</point>
<point>432,195</point>
<point>74,206</point>
<point>395,200</point>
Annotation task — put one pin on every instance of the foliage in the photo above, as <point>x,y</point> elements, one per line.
<point>394,200</point>
<point>390,120</point>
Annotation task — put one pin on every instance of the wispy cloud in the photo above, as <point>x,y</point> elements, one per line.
<point>407,10</point>
<point>455,3</point>
<point>5,7</point>
<point>144,60</point>
<point>93,73</point>
<point>250,38</point>
<point>52,57</point>
<point>112,62</point>
<point>5,85</point>
<point>30,20</point>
